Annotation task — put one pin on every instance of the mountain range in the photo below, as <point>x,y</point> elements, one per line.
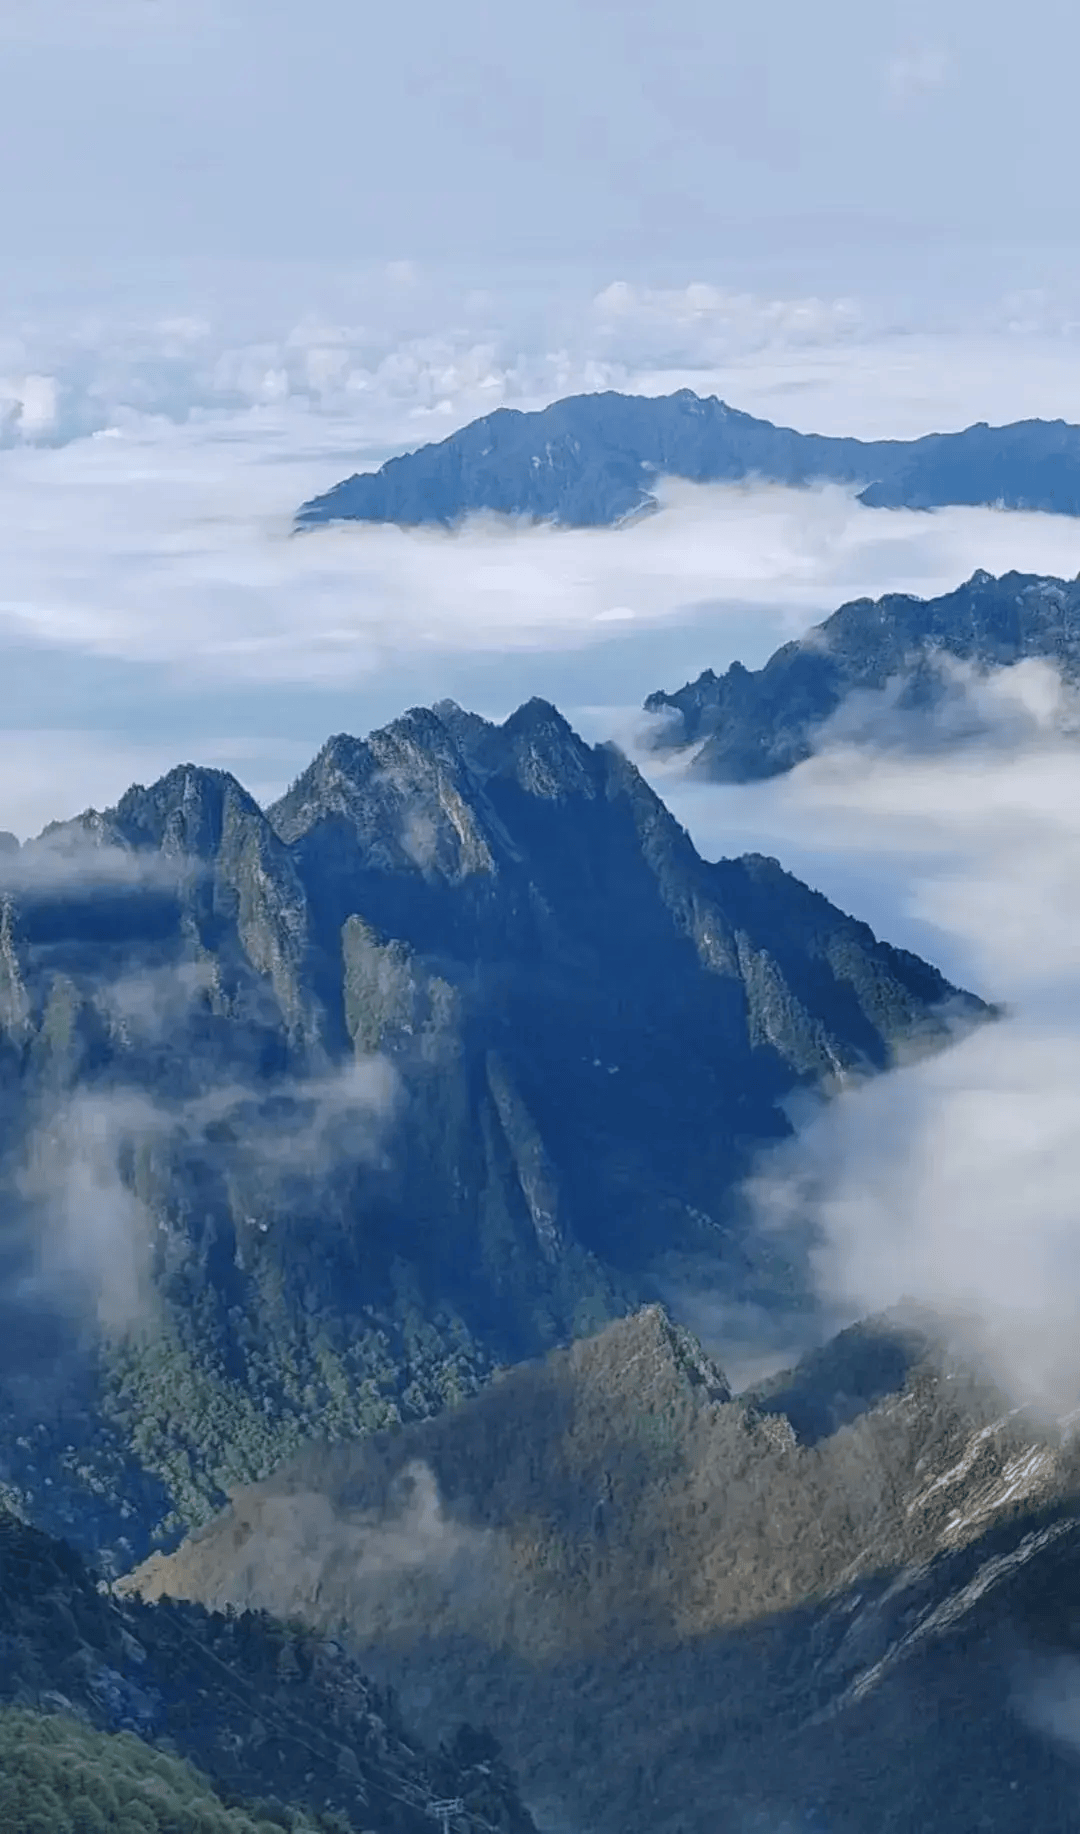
<point>846,1602</point>
<point>918,669</point>
<point>591,460</point>
<point>313,1116</point>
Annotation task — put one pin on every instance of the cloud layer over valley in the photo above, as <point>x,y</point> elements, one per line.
<point>155,604</point>
<point>953,1182</point>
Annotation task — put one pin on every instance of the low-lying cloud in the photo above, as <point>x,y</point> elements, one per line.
<point>80,859</point>
<point>94,1181</point>
<point>92,1236</point>
<point>170,555</point>
<point>954,1182</point>
<point>1048,1698</point>
<point>1009,708</point>
<point>158,439</point>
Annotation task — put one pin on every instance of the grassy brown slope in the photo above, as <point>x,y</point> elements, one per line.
<point>653,1590</point>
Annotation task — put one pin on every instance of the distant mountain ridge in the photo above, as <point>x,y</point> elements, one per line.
<point>320,1112</point>
<point>754,723</point>
<point>592,460</point>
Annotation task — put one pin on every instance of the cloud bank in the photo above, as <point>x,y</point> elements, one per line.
<point>162,430</point>
<point>172,558</point>
<point>954,1182</point>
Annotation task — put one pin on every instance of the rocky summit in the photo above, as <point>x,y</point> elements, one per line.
<point>893,669</point>
<point>313,1116</point>
<point>591,460</point>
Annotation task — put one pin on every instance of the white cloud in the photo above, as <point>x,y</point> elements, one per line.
<point>92,1236</point>
<point>173,546</point>
<point>88,1236</point>
<point>163,543</point>
<point>397,360</point>
<point>955,1181</point>
<point>704,325</point>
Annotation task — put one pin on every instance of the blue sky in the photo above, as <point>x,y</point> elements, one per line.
<point>599,129</point>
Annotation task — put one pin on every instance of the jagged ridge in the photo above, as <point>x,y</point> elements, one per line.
<point>424,1069</point>
<point>750,724</point>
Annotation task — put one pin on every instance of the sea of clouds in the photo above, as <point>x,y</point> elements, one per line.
<point>156,606</point>
<point>955,1181</point>
<point>157,433</point>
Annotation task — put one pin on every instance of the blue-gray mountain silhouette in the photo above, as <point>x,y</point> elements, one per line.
<point>591,460</point>
<point>328,1108</point>
<point>754,723</point>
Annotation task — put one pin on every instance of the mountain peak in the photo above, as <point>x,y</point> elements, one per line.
<point>415,736</point>
<point>184,811</point>
<point>539,748</point>
<point>408,797</point>
<point>486,1039</point>
<point>646,1358</point>
<point>536,713</point>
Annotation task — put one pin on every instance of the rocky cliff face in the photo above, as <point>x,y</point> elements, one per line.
<point>594,459</point>
<point>830,1604</point>
<point>898,653</point>
<point>311,1116</point>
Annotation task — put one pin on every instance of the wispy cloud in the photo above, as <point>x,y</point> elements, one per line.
<point>91,1226</point>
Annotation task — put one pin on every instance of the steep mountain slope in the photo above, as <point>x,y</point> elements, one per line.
<point>678,1611</point>
<point>311,1117</point>
<point>273,1718</point>
<point>58,1776</point>
<point>592,459</point>
<point>757,723</point>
